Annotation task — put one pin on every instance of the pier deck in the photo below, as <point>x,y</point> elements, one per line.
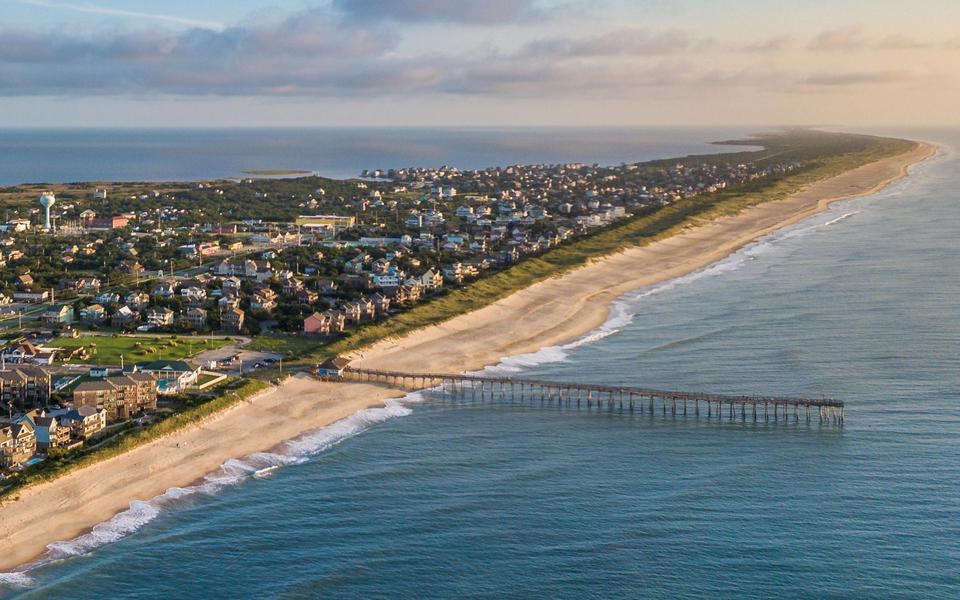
<point>624,398</point>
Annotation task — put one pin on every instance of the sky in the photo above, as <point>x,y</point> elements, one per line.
<point>188,63</point>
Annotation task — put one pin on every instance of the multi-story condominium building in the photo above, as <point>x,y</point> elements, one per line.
<point>25,386</point>
<point>120,396</point>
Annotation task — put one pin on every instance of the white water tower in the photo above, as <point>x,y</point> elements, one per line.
<point>47,199</point>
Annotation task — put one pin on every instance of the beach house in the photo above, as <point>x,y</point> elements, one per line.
<point>194,318</point>
<point>58,315</point>
<point>231,319</point>
<point>123,317</point>
<point>332,368</point>
<point>316,324</point>
<point>83,421</point>
<point>18,443</point>
<point>92,313</point>
<point>160,316</point>
<point>51,433</point>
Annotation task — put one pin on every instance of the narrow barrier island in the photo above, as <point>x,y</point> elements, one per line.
<point>291,271</point>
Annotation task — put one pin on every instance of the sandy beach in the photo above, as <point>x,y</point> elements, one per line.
<point>548,313</point>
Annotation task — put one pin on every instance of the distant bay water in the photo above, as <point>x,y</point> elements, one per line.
<point>492,500</point>
<point>74,155</point>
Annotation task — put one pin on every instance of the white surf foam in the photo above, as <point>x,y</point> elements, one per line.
<point>16,579</point>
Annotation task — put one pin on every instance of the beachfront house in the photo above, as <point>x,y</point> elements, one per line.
<point>332,368</point>
<point>51,433</point>
<point>18,443</point>
<point>83,421</point>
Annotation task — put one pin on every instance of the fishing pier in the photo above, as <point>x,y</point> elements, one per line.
<point>642,400</point>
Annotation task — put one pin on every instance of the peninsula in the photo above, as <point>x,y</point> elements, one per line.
<point>438,268</point>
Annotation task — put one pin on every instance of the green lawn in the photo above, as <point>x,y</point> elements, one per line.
<point>107,349</point>
<point>289,345</point>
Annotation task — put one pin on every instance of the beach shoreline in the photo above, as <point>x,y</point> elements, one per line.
<point>560,309</point>
<point>548,313</point>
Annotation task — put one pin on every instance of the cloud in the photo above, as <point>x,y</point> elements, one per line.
<point>772,44</point>
<point>852,38</point>
<point>306,53</point>
<point>320,53</point>
<point>860,78</point>
<point>843,38</point>
<point>639,42</point>
<point>308,36</point>
<point>475,12</point>
<point>102,10</point>
<point>625,42</point>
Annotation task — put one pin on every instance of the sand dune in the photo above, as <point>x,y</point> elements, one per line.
<point>547,313</point>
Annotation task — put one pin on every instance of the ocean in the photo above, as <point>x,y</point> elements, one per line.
<point>437,499</point>
<point>73,155</point>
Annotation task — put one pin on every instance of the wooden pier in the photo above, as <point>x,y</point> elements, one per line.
<point>643,400</point>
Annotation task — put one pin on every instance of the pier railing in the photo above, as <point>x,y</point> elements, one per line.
<point>591,395</point>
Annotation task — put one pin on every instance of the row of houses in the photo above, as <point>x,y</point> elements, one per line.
<point>37,427</point>
<point>27,353</point>
<point>332,321</point>
<point>43,430</point>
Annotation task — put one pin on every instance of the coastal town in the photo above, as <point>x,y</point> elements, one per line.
<point>120,303</point>
<point>479,298</point>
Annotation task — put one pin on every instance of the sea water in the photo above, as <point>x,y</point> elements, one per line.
<point>428,498</point>
<point>70,155</point>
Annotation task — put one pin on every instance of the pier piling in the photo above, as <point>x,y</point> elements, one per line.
<point>616,397</point>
